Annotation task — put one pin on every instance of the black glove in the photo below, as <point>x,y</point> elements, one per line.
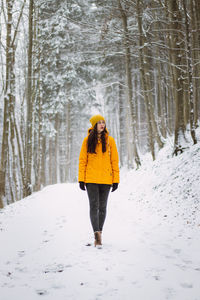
<point>114,187</point>
<point>82,185</point>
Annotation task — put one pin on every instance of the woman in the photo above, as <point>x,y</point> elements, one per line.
<point>98,171</point>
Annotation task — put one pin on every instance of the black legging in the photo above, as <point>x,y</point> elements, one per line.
<point>98,196</point>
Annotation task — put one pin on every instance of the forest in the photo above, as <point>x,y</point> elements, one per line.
<point>137,62</point>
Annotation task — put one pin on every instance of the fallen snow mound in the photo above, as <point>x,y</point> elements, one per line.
<point>171,184</point>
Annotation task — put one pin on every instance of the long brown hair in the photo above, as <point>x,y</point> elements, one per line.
<point>93,140</point>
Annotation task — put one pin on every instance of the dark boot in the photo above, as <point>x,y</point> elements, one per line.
<point>97,241</point>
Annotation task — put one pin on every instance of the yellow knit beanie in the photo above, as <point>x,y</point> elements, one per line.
<point>95,119</point>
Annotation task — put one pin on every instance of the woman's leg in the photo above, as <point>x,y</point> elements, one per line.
<point>93,195</point>
<point>104,190</point>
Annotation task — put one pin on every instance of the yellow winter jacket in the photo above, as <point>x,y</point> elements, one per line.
<point>101,168</point>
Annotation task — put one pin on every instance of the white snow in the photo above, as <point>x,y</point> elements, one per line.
<point>151,238</point>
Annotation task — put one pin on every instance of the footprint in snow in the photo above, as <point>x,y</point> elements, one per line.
<point>187,285</point>
<point>61,221</point>
<point>156,277</point>
<point>56,268</point>
<point>47,236</point>
<point>169,257</point>
<point>41,292</point>
<point>21,253</point>
<point>178,251</point>
<point>170,293</point>
<point>182,267</point>
<point>188,262</point>
<point>45,241</point>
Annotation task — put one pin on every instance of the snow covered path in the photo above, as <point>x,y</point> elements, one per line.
<point>149,251</point>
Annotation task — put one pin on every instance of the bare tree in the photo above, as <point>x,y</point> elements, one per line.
<point>176,48</point>
<point>29,96</point>
<point>9,98</point>
<point>129,84</point>
<point>189,72</point>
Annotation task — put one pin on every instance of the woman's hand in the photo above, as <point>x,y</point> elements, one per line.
<point>82,185</point>
<point>114,187</point>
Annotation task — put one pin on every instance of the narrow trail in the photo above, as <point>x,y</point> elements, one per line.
<point>145,255</point>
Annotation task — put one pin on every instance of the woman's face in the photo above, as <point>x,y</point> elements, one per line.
<point>100,126</point>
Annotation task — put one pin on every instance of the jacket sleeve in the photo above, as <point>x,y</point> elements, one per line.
<point>114,160</point>
<point>82,161</point>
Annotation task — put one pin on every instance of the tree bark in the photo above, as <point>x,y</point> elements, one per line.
<point>68,142</point>
<point>5,148</point>
<point>29,121</point>
<point>121,125</point>
<point>129,85</point>
<point>176,55</point>
<point>190,74</point>
<point>195,23</point>
<point>43,177</point>
<point>144,82</point>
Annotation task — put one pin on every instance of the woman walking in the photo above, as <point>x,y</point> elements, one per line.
<point>98,172</point>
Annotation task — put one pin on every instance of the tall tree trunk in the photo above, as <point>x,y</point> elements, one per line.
<point>5,148</point>
<point>29,121</point>
<point>38,100</point>
<point>121,125</point>
<point>56,149</point>
<point>170,75</point>
<point>20,151</point>
<point>129,84</point>
<point>176,55</point>
<point>39,143</point>
<point>43,177</point>
<point>51,159</point>
<point>13,171</point>
<point>10,132</point>
<point>144,82</point>
<point>160,90</point>
<point>195,24</point>
<point>190,73</point>
<point>2,188</point>
<point>68,142</point>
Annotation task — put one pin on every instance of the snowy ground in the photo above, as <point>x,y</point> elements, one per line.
<point>151,239</point>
